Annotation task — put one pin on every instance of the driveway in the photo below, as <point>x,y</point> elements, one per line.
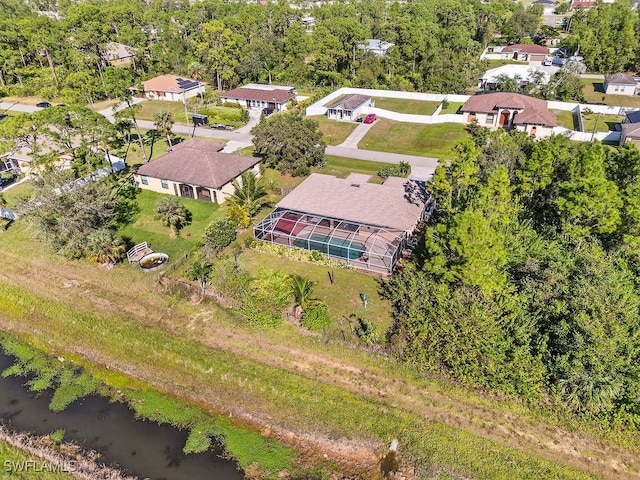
<point>358,134</point>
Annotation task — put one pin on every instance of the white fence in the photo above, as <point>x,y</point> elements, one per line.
<point>587,136</point>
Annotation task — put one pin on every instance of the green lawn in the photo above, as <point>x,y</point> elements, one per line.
<point>226,115</point>
<point>412,138</point>
<point>402,105</point>
<point>149,107</point>
<point>452,107</point>
<point>593,91</point>
<point>333,131</point>
<point>500,62</point>
<point>145,228</point>
<point>605,123</point>
<point>12,456</point>
<point>11,195</point>
<point>566,119</point>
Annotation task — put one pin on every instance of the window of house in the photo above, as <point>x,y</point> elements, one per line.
<point>164,184</point>
<point>144,180</point>
<point>490,117</point>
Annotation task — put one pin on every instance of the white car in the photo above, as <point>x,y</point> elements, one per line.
<point>547,62</point>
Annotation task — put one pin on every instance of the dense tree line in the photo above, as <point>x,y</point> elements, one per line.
<point>226,43</point>
<point>529,280</point>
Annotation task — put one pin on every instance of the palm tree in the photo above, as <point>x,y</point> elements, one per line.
<point>200,271</point>
<point>249,193</point>
<point>103,246</point>
<point>301,289</point>
<point>172,213</point>
<point>164,122</point>
<point>130,113</point>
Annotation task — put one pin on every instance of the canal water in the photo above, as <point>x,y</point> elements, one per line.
<point>138,447</point>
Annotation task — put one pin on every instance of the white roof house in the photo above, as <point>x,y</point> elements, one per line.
<point>524,74</point>
<point>378,47</point>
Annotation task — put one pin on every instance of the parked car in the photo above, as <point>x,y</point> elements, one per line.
<point>370,118</point>
<point>359,119</point>
<point>221,126</point>
<point>547,62</point>
<point>43,105</point>
<point>267,111</point>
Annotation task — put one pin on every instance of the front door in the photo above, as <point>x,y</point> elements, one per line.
<point>186,191</point>
<point>504,119</point>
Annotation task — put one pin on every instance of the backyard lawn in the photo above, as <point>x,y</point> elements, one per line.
<point>333,131</point>
<point>12,194</point>
<point>413,138</point>
<point>452,107</point>
<point>403,105</point>
<point>600,123</point>
<point>566,119</point>
<point>227,115</point>
<point>593,91</point>
<point>144,228</point>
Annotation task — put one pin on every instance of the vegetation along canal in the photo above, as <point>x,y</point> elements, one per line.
<point>139,447</point>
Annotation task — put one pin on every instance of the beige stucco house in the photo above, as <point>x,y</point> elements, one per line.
<point>511,111</point>
<point>196,168</point>
<point>620,84</point>
<point>172,88</point>
<point>255,95</point>
<point>118,54</point>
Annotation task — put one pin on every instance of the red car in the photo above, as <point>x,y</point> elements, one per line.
<point>370,118</point>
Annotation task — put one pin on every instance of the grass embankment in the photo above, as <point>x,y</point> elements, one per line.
<point>403,105</point>
<point>412,138</point>
<point>328,397</point>
<point>333,131</point>
<point>20,464</point>
<point>593,91</point>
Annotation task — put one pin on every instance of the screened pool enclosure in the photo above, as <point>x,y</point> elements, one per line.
<point>363,246</point>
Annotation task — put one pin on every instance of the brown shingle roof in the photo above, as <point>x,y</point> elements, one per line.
<point>631,130</point>
<point>276,95</point>
<point>398,203</point>
<point>350,102</point>
<point>169,83</point>
<point>619,79</point>
<point>534,111</point>
<point>198,162</point>
<point>521,47</point>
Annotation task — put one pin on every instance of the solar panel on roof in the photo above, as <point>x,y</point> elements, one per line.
<point>186,84</point>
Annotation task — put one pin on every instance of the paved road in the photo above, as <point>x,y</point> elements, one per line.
<point>18,107</point>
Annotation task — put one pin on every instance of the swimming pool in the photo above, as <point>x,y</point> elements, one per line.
<point>336,247</point>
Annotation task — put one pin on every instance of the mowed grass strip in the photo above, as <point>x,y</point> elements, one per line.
<point>333,131</point>
<point>217,378</point>
<point>413,138</point>
<point>403,105</point>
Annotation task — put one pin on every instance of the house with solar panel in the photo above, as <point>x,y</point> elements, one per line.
<point>172,88</point>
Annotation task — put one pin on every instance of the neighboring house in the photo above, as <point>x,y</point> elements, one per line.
<point>585,4</point>
<point>524,52</point>
<point>9,163</point>
<point>620,84</point>
<point>118,54</point>
<point>257,95</point>
<point>378,47</point>
<point>348,107</point>
<point>631,128</point>
<point>509,111</point>
<point>196,168</point>
<point>361,223</point>
<point>524,74</point>
<point>172,88</point>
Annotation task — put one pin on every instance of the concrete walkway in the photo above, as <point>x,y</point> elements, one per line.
<point>358,134</point>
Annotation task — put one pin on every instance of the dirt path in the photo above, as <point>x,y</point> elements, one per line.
<point>114,293</point>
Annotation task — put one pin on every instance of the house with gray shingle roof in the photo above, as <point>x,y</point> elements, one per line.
<point>620,84</point>
<point>631,128</point>
<point>348,107</point>
<point>196,168</point>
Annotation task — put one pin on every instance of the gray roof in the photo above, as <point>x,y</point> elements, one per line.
<point>350,102</point>
<point>631,130</point>
<point>398,203</point>
<point>619,79</point>
<point>198,162</point>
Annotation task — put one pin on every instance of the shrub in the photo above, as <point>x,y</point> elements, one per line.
<point>238,216</point>
<point>218,235</point>
<point>315,317</point>
<point>297,254</point>
<point>269,294</point>
<point>368,332</point>
<point>401,170</point>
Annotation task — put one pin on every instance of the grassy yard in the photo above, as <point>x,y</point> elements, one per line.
<point>12,194</point>
<point>402,105</point>
<point>566,119</point>
<point>412,138</point>
<point>605,123</point>
<point>593,91</point>
<point>452,107</point>
<point>226,115</point>
<point>333,131</point>
<point>146,229</point>
<point>500,62</point>
<point>11,456</point>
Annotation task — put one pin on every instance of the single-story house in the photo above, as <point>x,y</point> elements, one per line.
<point>524,74</point>
<point>378,47</point>
<point>256,95</point>
<point>511,110</point>
<point>631,128</point>
<point>585,4</point>
<point>196,168</point>
<point>364,224</point>
<point>620,84</point>
<point>348,107</point>
<point>524,52</point>
<point>118,54</point>
<point>9,163</point>
<point>172,88</point>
